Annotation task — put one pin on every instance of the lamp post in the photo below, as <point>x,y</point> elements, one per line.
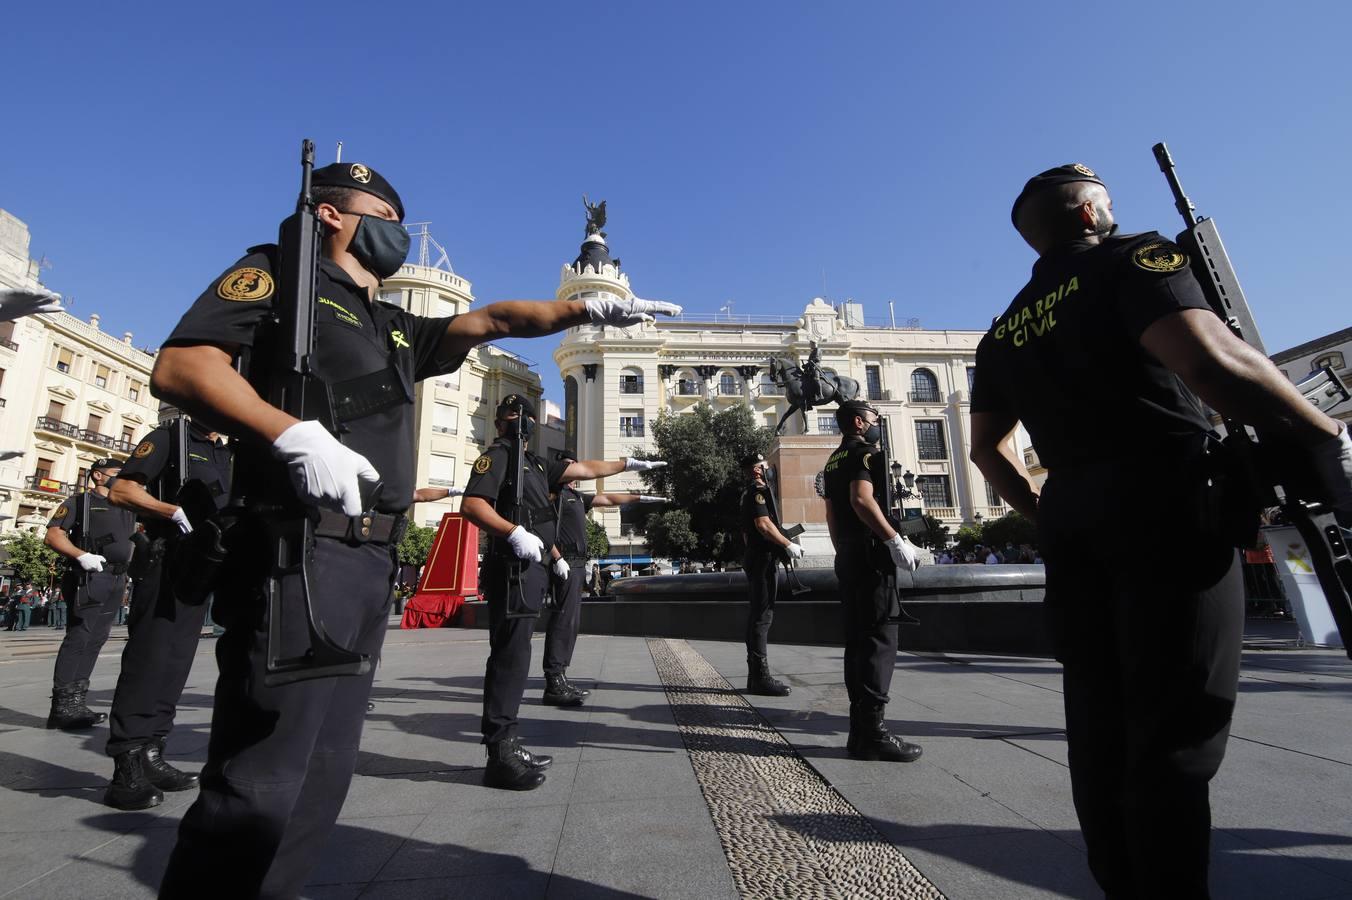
<point>903,485</point>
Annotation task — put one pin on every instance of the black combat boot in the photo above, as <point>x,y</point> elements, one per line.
<point>760,681</point>
<point>131,788</point>
<point>870,739</point>
<point>581,692</point>
<point>856,730</point>
<point>161,774</point>
<point>559,693</point>
<point>507,770</point>
<point>534,760</point>
<point>69,712</point>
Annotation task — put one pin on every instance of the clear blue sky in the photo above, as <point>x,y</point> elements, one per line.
<point>743,148</point>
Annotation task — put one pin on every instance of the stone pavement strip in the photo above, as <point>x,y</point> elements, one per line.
<point>668,783</point>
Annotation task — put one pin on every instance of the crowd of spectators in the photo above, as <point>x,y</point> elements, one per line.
<point>979,554</point>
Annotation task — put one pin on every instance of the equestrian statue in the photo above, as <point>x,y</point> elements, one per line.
<point>807,386</point>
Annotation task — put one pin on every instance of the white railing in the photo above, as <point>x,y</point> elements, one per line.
<point>942,512</point>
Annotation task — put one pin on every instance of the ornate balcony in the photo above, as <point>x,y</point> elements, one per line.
<point>44,485</point>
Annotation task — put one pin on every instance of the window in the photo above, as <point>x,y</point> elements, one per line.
<point>971,378</point>
<point>934,490</point>
<point>929,439</point>
<point>768,386</point>
<point>827,425</point>
<point>134,389</point>
<point>924,387</point>
<point>2,378</point>
<point>631,426</point>
<point>95,423</point>
<point>393,296</point>
<point>687,386</point>
<point>55,409</point>
<point>43,469</point>
<point>631,383</point>
<point>441,472</point>
<point>81,476</point>
<point>993,496</point>
<point>1333,360</point>
<point>101,375</point>
<point>127,432</point>
<point>727,385</point>
<point>478,429</point>
<point>445,308</point>
<point>445,418</point>
<point>64,359</point>
<point>873,375</point>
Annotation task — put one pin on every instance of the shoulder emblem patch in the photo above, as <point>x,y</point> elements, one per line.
<point>868,458</point>
<point>143,449</point>
<point>61,511</point>
<point>760,498</point>
<point>245,284</point>
<point>1160,256</point>
<point>483,464</point>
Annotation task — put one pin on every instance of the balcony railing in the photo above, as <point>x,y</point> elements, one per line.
<point>990,513</point>
<point>631,387</point>
<point>770,389</point>
<point>631,431</point>
<point>924,397</point>
<point>687,389</point>
<point>56,426</point>
<point>941,512</point>
<point>8,344</point>
<point>879,395</point>
<point>45,485</point>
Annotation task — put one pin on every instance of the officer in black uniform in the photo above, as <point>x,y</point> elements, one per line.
<point>94,584</point>
<point>766,546</point>
<point>515,576</point>
<point>869,554</point>
<point>1118,323</point>
<point>281,758</point>
<point>571,547</point>
<point>167,610</point>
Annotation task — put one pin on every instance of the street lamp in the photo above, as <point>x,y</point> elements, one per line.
<point>903,484</point>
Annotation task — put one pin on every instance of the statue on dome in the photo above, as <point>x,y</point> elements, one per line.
<point>596,217</point>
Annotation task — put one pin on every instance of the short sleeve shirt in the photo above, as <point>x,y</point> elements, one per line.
<point>489,479</point>
<point>756,502</point>
<point>1069,345</point>
<point>573,508</point>
<point>110,528</point>
<point>852,461</point>
<point>370,354</point>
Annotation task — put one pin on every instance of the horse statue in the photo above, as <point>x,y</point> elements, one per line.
<point>807,386</point>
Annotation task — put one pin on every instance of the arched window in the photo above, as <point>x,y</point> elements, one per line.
<point>688,384</point>
<point>924,387</point>
<point>728,384</point>
<point>631,381</point>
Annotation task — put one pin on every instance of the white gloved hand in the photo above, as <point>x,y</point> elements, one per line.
<point>794,551</point>
<point>642,465</point>
<point>16,304</point>
<point>649,498</point>
<point>455,492</point>
<point>322,470</point>
<point>904,554</point>
<point>525,545</point>
<point>91,562</point>
<point>180,518</point>
<point>622,313</point>
<point>561,569</point>
<point>1333,465</point>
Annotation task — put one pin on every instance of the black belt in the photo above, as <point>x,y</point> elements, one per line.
<point>378,528</point>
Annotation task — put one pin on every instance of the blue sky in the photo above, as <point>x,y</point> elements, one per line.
<point>748,151</point>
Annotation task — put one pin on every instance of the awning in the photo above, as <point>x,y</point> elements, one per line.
<point>625,560</point>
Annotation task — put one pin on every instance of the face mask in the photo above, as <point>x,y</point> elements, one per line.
<point>518,427</point>
<point>872,434</point>
<point>379,245</point>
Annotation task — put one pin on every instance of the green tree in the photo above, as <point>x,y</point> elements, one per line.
<point>969,536</point>
<point>702,449</point>
<point>598,542</point>
<point>32,560</point>
<point>416,545</point>
<point>935,535</point>
<point>1011,528</point>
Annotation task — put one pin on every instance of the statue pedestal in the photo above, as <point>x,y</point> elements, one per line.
<point>797,459</point>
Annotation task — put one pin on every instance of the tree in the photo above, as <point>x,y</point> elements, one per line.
<point>969,536</point>
<point>416,545</point>
<point>32,560</point>
<point>935,535</point>
<point>1011,528</point>
<point>598,542</point>
<point>702,478</point>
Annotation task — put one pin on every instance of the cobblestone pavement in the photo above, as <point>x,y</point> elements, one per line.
<point>629,809</point>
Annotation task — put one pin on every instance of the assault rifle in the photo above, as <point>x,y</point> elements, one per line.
<point>1275,471</point>
<point>86,500</point>
<point>883,557</point>
<point>517,569</point>
<point>796,586</point>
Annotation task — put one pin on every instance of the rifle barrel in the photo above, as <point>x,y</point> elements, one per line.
<point>1181,202</point>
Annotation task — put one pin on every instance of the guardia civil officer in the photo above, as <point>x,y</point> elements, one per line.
<point>167,608</point>
<point>1151,651</point>
<point>766,545</point>
<point>869,554</point>
<point>280,758</point>
<point>515,576</point>
<point>93,586</point>
<point>571,547</point>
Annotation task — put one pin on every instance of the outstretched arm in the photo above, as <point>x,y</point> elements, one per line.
<point>534,318</point>
<point>588,469</point>
<point>624,498</point>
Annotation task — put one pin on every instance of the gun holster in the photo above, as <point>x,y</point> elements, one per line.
<point>197,561</point>
<point>148,556</point>
<point>1227,499</point>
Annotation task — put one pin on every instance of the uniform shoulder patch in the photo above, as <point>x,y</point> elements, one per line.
<point>61,512</point>
<point>760,498</point>
<point>483,464</point>
<point>1159,256</point>
<point>246,284</point>
<point>143,449</point>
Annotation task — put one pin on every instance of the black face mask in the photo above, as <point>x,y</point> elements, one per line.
<point>872,434</point>
<point>379,245</point>
<point>518,427</point>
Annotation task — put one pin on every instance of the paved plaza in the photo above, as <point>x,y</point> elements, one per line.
<point>670,784</point>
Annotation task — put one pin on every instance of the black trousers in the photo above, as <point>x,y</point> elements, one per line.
<point>508,645</point>
<point>1151,649</point>
<point>561,632</point>
<point>87,629</point>
<point>762,583</point>
<point>870,639</point>
<point>281,758</point>
<point>162,636</point>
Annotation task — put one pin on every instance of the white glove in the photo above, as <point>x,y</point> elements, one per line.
<point>455,492</point>
<point>561,569</point>
<point>794,551</point>
<point>648,498</point>
<point>642,465</point>
<point>322,470</point>
<point>526,545</point>
<point>91,562</point>
<point>17,304</point>
<point>904,554</point>
<point>180,518</point>
<point>622,313</point>
<point>1333,465</point>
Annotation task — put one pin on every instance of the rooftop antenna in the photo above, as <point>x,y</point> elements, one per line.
<point>426,244</point>
<point>340,152</point>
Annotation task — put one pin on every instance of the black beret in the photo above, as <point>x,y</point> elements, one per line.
<point>1067,174</point>
<point>752,459</point>
<point>358,177</point>
<point>854,407</point>
<point>510,402</point>
<point>107,462</point>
